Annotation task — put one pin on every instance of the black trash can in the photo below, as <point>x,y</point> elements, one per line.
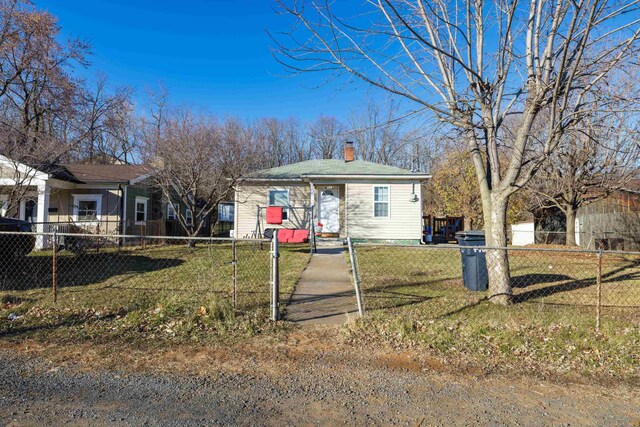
<point>474,261</point>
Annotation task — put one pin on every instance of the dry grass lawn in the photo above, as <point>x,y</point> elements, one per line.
<point>415,296</point>
<point>172,292</point>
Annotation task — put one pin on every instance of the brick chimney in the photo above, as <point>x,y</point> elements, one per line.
<point>349,152</point>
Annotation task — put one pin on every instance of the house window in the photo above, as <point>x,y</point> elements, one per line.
<point>280,198</point>
<point>226,212</point>
<point>188,216</point>
<point>171,212</point>
<point>87,210</point>
<point>381,201</point>
<point>141,210</point>
<point>87,207</point>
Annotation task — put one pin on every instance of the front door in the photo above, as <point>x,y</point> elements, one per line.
<point>329,210</point>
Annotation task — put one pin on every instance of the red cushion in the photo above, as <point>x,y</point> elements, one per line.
<point>274,215</point>
<point>285,235</point>
<point>300,236</point>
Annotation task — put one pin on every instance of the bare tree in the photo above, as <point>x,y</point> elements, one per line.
<point>327,135</point>
<point>591,163</point>
<point>471,64</point>
<point>38,94</point>
<point>377,133</point>
<point>104,123</point>
<point>282,141</point>
<point>196,162</point>
<point>299,145</point>
<point>123,133</point>
<point>384,134</point>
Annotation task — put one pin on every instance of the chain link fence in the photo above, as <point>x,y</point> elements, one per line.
<point>80,278</point>
<point>591,240</point>
<point>109,228</point>
<point>577,287</point>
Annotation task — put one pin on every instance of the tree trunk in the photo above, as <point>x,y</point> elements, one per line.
<point>570,214</point>
<point>497,260</point>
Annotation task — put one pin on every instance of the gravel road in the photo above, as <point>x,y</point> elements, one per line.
<point>322,388</point>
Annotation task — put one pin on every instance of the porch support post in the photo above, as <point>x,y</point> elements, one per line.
<point>312,217</point>
<point>44,192</point>
<point>312,192</point>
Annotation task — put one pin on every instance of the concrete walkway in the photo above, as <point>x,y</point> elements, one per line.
<point>324,294</point>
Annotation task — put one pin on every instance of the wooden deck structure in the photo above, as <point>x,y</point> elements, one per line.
<point>442,229</point>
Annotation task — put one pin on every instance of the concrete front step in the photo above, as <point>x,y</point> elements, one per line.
<point>323,241</point>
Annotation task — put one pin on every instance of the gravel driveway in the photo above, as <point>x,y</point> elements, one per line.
<point>326,388</point>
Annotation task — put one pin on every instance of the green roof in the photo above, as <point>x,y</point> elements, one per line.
<point>330,168</point>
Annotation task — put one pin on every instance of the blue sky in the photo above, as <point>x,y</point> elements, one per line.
<point>213,54</point>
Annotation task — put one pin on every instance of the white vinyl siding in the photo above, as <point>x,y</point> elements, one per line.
<point>404,216</point>
<point>248,197</point>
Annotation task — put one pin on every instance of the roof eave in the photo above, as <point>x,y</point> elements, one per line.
<point>120,182</point>
<point>267,179</point>
<point>368,176</point>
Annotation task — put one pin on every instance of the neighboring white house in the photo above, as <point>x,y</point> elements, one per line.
<point>107,198</point>
<point>350,198</point>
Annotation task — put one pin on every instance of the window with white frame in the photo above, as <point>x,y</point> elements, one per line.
<point>141,204</point>
<point>188,216</point>
<point>280,198</point>
<point>171,212</point>
<point>381,201</point>
<point>87,207</point>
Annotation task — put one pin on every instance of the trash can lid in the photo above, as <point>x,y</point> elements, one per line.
<point>471,233</point>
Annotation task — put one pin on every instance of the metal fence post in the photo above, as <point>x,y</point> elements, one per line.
<point>54,267</point>
<point>275,298</point>
<point>599,286</point>
<point>235,274</point>
<point>356,279</point>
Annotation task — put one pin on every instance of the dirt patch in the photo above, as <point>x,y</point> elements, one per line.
<point>401,361</point>
<point>265,382</point>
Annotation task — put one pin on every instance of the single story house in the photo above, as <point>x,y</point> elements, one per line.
<point>350,198</point>
<point>100,199</point>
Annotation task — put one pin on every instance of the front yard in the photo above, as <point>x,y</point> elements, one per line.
<point>414,297</point>
<point>166,292</point>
